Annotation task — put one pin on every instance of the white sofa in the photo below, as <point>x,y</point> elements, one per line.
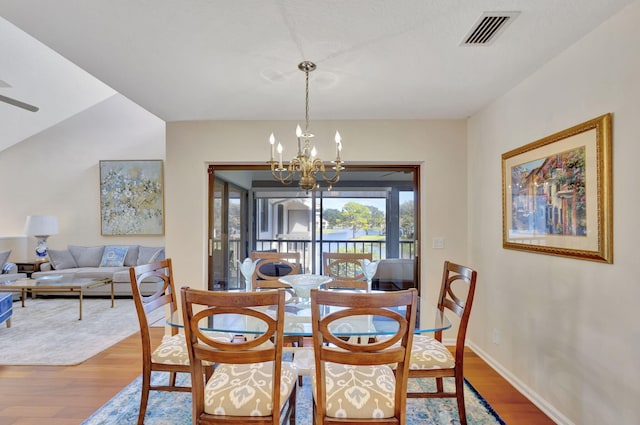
<point>102,261</point>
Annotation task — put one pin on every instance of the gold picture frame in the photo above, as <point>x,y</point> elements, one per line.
<point>557,194</point>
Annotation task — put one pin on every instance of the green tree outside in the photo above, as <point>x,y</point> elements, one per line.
<point>331,215</point>
<point>354,216</point>
<point>407,223</point>
<point>377,220</point>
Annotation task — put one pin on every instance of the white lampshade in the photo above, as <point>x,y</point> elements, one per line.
<point>41,225</point>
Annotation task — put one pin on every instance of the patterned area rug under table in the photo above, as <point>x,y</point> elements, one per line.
<point>166,408</point>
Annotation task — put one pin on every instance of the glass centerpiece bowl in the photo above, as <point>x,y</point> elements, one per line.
<point>302,284</point>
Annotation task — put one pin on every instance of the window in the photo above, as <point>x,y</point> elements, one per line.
<point>372,209</point>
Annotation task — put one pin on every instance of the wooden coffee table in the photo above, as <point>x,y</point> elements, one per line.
<point>65,284</point>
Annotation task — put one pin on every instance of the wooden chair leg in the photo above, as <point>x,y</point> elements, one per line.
<point>144,396</point>
<point>292,409</point>
<point>299,343</point>
<point>460,399</point>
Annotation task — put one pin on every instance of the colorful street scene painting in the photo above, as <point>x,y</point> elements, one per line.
<point>549,195</point>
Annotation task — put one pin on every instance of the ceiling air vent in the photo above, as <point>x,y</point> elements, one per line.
<point>487,28</point>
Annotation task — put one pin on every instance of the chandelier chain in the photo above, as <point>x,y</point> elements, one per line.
<point>306,103</point>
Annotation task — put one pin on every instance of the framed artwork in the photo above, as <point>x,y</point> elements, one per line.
<point>557,194</point>
<point>131,197</point>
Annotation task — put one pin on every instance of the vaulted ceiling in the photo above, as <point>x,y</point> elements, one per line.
<point>236,60</point>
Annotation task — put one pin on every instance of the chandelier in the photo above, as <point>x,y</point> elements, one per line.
<point>305,165</point>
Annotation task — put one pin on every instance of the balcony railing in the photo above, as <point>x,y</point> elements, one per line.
<point>377,248</point>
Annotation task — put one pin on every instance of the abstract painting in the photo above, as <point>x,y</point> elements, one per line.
<point>131,197</point>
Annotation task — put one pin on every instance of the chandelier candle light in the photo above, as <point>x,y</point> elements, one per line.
<point>305,165</point>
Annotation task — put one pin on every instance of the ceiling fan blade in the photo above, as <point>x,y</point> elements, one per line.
<point>19,104</point>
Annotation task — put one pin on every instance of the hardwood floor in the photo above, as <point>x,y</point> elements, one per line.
<point>511,405</point>
<point>66,395</point>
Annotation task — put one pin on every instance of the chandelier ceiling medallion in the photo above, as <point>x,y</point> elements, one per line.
<point>305,165</point>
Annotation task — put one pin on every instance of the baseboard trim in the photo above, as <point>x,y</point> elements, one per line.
<point>533,396</point>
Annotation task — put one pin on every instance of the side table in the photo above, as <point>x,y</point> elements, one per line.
<point>28,267</point>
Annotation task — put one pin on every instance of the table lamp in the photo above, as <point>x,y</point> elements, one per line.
<point>41,226</point>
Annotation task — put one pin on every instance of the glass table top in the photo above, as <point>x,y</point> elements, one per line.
<point>298,322</point>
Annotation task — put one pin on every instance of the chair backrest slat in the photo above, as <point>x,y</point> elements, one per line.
<point>272,266</point>
<point>160,272</point>
<point>345,268</point>
<point>456,294</point>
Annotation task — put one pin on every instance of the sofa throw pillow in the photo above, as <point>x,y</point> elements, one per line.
<point>113,256</point>
<point>87,256</point>
<point>131,259</point>
<point>149,254</point>
<point>61,259</point>
<point>9,268</point>
<point>4,256</point>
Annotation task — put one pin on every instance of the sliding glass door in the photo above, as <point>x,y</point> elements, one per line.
<point>227,235</point>
<point>374,209</point>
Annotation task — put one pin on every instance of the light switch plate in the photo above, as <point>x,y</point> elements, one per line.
<point>437,243</point>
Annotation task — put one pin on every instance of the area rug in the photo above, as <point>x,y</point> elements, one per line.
<point>173,408</point>
<point>47,331</point>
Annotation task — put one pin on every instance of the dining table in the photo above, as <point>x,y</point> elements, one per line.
<point>429,319</point>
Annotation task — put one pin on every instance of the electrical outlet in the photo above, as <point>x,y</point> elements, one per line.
<point>495,336</point>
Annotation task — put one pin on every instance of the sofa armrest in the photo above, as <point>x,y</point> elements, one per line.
<point>9,268</point>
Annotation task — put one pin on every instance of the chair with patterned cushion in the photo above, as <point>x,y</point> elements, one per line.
<point>429,356</point>
<point>352,382</point>
<point>271,267</point>
<point>345,268</point>
<point>171,355</point>
<point>250,377</point>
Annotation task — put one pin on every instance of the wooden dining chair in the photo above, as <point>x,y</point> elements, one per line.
<point>345,268</point>
<point>250,377</point>
<point>430,358</point>
<point>272,266</point>
<point>352,382</point>
<point>171,355</point>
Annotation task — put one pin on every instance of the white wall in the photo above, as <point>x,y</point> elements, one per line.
<point>56,172</point>
<point>568,331</point>
<point>439,146</point>
<point>17,245</point>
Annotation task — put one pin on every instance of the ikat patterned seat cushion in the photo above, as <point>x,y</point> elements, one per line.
<point>173,349</point>
<point>429,353</point>
<point>362,392</point>
<point>245,389</point>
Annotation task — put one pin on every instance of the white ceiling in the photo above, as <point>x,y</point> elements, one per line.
<point>234,60</point>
